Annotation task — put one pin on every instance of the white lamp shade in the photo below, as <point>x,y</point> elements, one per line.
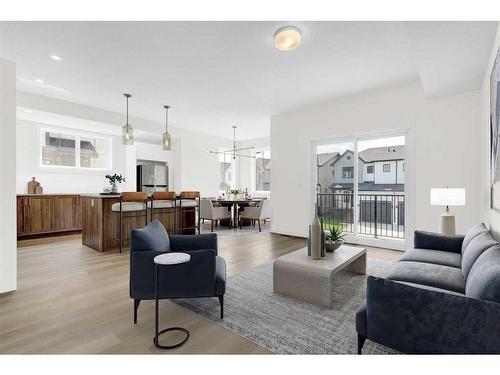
<point>447,197</point>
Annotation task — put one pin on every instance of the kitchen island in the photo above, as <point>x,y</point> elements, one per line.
<point>100,223</point>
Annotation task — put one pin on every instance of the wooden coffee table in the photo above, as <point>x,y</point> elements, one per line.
<point>298,276</point>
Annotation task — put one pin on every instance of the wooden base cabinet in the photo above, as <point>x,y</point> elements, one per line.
<point>48,214</point>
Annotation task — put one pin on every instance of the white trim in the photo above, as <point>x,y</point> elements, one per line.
<point>78,136</point>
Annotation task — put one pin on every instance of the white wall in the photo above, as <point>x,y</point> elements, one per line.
<point>445,147</point>
<point>8,251</point>
<point>63,180</point>
<point>491,217</point>
<point>191,166</point>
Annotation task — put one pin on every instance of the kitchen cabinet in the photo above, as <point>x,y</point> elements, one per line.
<point>47,214</point>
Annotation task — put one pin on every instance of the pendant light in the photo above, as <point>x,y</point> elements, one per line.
<point>128,130</point>
<point>167,142</point>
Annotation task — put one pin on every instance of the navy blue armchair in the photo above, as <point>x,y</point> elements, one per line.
<point>203,276</point>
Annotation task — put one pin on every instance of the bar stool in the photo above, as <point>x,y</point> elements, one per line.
<point>189,201</point>
<point>164,202</point>
<point>131,203</point>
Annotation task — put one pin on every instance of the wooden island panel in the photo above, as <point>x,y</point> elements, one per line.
<point>100,223</point>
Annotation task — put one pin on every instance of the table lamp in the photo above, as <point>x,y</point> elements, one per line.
<point>447,197</point>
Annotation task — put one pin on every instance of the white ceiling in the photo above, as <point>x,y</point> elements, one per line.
<point>218,74</point>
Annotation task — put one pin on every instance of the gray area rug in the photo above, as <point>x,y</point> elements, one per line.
<point>287,326</point>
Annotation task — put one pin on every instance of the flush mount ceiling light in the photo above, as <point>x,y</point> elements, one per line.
<point>287,38</point>
<point>55,57</point>
<point>128,130</point>
<point>167,142</point>
<point>38,80</point>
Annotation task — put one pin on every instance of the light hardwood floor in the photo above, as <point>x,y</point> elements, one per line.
<point>72,299</point>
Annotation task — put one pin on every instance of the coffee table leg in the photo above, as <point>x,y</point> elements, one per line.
<point>358,266</point>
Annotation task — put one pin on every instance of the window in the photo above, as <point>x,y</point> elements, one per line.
<point>225,172</point>
<point>369,169</point>
<point>58,150</point>
<point>76,151</point>
<point>94,153</point>
<point>386,168</point>
<point>347,172</point>
<point>263,171</point>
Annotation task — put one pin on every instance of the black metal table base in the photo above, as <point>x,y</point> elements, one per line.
<point>155,339</point>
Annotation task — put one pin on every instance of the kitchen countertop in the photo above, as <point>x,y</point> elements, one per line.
<point>48,194</point>
<point>103,196</point>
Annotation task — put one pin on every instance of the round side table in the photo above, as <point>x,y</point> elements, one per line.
<point>165,260</point>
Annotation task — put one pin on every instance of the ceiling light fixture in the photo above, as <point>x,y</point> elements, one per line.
<point>287,38</point>
<point>55,57</point>
<point>167,142</point>
<point>128,130</point>
<point>38,80</point>
<point>234,151</point>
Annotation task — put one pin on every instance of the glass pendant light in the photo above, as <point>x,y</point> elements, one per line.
<point>167,141</point>
<point>128,130</point>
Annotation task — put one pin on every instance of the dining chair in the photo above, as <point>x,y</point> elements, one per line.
<point>210,212</point>
<point>261,211</point>
<point>131,205</point>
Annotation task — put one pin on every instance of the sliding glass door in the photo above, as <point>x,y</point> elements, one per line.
<point>360,188</point>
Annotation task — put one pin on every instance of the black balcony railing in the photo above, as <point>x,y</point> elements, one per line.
<point>379,215</point>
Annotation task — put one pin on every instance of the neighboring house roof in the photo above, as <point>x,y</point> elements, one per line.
<point>382,153</point>
<point>323,159</point>
<point>369,186</point>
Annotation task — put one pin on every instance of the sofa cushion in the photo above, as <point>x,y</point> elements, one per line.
<point>437,241</point>
<point>444,258</point>
<point>220,276</point>
<point>434,275</point>
<point>478,245</point>
<point>471,233</point>
<point>153,237</point>
<point>483,281</point>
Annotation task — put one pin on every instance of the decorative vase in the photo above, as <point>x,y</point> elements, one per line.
<point>323,243</point>
<point>309,242</point>
<point>114,188</point>
<point>332,246</point>
<point>315,236</point>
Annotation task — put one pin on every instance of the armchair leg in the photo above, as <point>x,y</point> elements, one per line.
<point>211,225</point>
<point>136,306</point>
<point>361,342</point>
<point>221,301</point>
<point>260,230</point>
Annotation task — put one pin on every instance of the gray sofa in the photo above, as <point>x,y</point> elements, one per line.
<point>442,296</point>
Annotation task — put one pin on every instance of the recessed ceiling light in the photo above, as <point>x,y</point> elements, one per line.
<point>38,80</point>
<point>92,123</point>
<point>55,57</point>
<point>287,38</point>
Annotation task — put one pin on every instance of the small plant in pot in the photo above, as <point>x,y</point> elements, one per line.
<point>334,238</point>
<point>113,180</point>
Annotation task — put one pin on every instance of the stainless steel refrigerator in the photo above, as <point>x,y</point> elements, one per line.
<point>152,176</point>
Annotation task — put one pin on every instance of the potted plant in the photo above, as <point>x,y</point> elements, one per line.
<point>334,238</point>
<point>113,180</point>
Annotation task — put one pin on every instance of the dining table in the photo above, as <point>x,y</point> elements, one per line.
<point>235,204</point>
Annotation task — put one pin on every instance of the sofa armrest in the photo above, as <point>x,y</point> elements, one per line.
<point>419,320</point>
<point>195,278</point>
<point>189,242</point>
<point>438,241</point>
